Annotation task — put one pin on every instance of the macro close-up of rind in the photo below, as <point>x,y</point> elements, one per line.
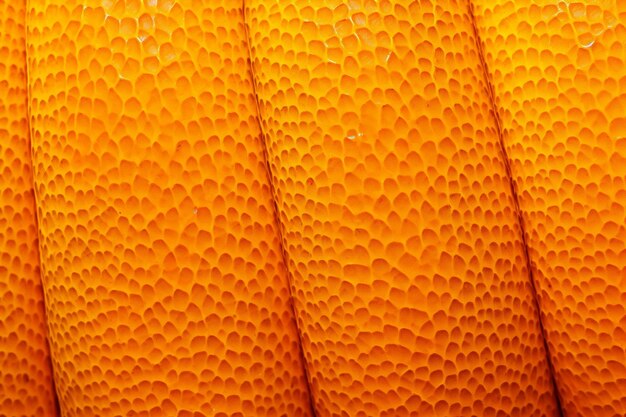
<point>559,76</point>
<point>26,387</point>
<point>409,275</point>
<point>313,208</point>
<point>165,285</point>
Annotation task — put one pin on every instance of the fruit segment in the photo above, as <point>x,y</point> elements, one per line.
<point>26,387</point>
<point>409,275</point>
<point>559,73</point>
<point>165,286</point>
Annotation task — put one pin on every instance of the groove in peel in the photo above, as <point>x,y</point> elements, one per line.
<point>167,295</point>
<point>26,388</point>
<point>559,73</point>
<point>409,275</point>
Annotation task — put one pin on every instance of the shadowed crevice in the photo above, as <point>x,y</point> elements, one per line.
<point>37,203</point>
<point>279,226</point>
<point>518,211</point>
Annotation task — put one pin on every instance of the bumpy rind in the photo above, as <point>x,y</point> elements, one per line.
<point>559,74</point>
<point>167,294</point>
<point>26,388</point>
<point>409,274</point>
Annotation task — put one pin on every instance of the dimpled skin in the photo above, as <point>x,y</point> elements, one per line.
<point>163,273</point>
<point>26,387</point>
<point>559,74</point>
<point>409,275</point>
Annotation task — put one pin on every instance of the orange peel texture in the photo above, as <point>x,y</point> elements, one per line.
<point>165,285</point>
<point>408,270</point>
<point>559,74</point>
<point>26,387</point>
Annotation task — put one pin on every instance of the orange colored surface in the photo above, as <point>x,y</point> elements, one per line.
<point>166,291</point>
<point>26,387</point>
<point>559,72</point>
<point>408,271</point>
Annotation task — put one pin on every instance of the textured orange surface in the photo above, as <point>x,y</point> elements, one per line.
<point>166,291</point>
<point>559,73</point>
<point>409,275</point>
<point>25,374</point>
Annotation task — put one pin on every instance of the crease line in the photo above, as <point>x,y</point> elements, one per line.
<point>518,211</point>
<point>279,227</point>
<point>36,204</point>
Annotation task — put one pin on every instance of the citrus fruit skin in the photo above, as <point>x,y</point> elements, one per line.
<point>26,387</point>
<point>558,71</point>
<point>410,279</point>
<point>165,285</point>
